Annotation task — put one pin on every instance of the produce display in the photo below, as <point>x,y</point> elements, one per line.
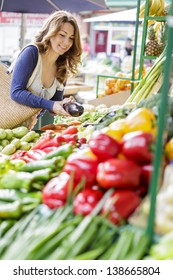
<point>117,84</point>
<point>84,184</point>
<point>79,188</point>
<point>156,8</point>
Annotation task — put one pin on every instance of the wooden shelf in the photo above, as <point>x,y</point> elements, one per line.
<point>74,88</point>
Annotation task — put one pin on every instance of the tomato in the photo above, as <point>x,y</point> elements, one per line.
<point>82,140</point>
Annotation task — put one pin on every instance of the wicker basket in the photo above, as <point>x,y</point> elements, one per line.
<point>12,114</point>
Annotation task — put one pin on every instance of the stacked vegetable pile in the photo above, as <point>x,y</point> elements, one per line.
<point>98,186</point>
<point>117,84</point>
<point>21,183</point>
<point>60,235</point>
<point>86,184</point>
<point>19,138</point>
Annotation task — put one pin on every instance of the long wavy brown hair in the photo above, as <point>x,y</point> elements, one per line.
<point>69,61</point>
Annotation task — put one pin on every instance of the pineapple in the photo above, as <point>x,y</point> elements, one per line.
<point>152,46</point>
<point>162,37</point>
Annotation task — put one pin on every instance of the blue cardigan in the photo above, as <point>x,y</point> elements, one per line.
<point>23,69</point>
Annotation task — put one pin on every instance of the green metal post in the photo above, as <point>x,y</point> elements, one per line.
<point>97,86</point>
<point>144,35</point>
<point>161,125</point>
<point>135,45</point>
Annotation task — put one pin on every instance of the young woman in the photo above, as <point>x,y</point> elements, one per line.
<point>43,67</point>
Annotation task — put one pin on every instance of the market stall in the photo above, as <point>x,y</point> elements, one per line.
<point>79,188</point>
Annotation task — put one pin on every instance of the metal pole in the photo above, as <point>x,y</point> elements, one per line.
<point>161,126</point>
<point>22,31</point>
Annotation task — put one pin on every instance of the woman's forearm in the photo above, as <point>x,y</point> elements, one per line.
<point>27,98</point>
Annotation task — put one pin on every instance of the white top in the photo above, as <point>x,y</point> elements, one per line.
<point>35,85</point>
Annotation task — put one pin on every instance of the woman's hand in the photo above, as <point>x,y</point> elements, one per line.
<point>58,106</point>
<point>58,109</point>
<point>68,99</point>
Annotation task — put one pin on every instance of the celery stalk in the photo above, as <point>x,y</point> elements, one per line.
<point>136,90</point>
<point>143,93</point>
<point>144,84</point>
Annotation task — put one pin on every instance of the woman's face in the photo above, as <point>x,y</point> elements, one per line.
<point>63,40</point>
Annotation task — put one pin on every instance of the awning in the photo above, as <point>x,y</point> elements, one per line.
<point>123,16</point>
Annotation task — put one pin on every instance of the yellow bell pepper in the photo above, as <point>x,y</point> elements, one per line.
<point>115,134</point>
<point>116,129</point>
<point>169,150</point>
<point>119,124</point>
<point>141,119</point>
<point>86,152</point>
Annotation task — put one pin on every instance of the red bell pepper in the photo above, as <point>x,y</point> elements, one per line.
<point>141,191</point>
<point>120,205</point>
<point>82,167</point>
<point>104,146</point>
<point>54,203</point>
<point>55,192</point>
<point>146,174</point>
<point>86,200</point>
<point>118,173</point>
<point>138,146</point>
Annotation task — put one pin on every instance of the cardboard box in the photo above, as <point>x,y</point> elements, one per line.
<point>109,100</point>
